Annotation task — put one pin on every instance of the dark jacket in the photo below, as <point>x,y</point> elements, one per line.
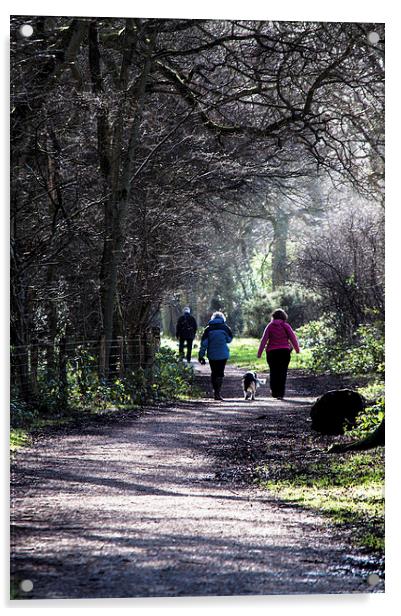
<point>215,340</point>
<point>186,327</point>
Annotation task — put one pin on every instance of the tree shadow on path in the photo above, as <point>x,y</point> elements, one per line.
<point>140,508</point>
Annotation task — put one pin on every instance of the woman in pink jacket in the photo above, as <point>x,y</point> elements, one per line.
<point>278,339</point>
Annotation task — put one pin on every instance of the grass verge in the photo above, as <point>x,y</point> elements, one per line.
<point>18,438</point>
<point>348,488</point>
<point>243,353</point>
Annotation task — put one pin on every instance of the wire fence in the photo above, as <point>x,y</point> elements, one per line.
<point>58,364</point>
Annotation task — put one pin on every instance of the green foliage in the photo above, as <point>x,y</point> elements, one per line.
<point>369,420</point>
<point>50,399</point>
<point>168,379</point>
<point>86,389</point>
<point>299,303</point>
<point>316,334</point>
<point>21,414</point>
<point>18,438</point>
<point>348,489</point>
<point>372,391</point>
<point>371,347</point>
<point>83,380</point>
<point>172,378</point>
<point>97,393</point>
<point>329,353</point>
<point>261,270</point>
<point>22,418</point>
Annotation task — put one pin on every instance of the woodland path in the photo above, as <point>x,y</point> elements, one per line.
<point>135,508</point>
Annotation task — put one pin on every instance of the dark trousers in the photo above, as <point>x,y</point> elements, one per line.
<point>189,342</point>
<point>278,361</point>
<point>217,367</point>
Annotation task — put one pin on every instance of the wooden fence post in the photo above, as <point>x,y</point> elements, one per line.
<point>34,366</point>
<point>63,381</point>
<point>121,362</point>
<point>22,369</point>
<point>136,352</point>
<point>102,357</point>
<point>156,338</point>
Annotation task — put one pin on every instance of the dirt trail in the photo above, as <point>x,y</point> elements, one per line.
<point>135,509</point>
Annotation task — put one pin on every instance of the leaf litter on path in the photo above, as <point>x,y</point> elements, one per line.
<point>163,505</point>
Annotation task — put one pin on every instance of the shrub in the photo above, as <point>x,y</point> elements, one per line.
<point>171,377</point>
<point>319,336</point>
<point>21,415</point>
<point>371,347</point>
<point>299,303</point>
<point>167,379</point>
<point>331,353</point>
<point>50,399</point>
<point>369,419</point>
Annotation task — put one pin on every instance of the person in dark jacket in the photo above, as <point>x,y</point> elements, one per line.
<point>185,332</point>
<point>215,341</point>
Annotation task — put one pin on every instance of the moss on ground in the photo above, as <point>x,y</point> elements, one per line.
<point>349,489</point>
<point>18,438</point>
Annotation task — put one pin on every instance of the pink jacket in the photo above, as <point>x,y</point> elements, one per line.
<point>278,335</point>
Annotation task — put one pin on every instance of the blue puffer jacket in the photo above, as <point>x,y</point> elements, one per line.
<point>215,339</point>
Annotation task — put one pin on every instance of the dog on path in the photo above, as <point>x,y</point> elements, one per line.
<point>250,383</point>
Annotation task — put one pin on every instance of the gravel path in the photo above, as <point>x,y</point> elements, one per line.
<point>134,509</point>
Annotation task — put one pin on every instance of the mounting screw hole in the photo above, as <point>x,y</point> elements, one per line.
<point>26,30</point>
<point>26,585</point>
<point>373,579</point>
<point>373,38</point>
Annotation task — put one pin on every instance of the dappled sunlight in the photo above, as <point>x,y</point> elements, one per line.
<point>140,504</point>
<point>176,184</point>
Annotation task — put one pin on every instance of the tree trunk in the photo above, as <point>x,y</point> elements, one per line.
<point>116,207</point>
<point>279,250</point>
<point>34,367</point>
<point>374,439</point>
<point>55,205</point>
<point>20,330</point>
<point>63,381</point>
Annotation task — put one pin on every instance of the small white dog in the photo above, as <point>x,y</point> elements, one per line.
<point>250,383</point>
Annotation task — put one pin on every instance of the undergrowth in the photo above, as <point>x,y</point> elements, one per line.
<point>18,438</point>
<point>169,379</point>
<point>349,489</point>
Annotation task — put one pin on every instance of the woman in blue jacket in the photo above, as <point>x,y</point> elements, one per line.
<point>214,342</point>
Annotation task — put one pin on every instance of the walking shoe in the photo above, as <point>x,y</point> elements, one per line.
<point>218,384</point>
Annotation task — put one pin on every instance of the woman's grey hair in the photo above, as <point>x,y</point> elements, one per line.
<point>280,314</point>
<point>218,314</point>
